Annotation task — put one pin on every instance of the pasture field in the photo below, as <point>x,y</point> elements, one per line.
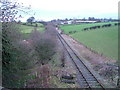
<point>28,29</point>
<point>79,27</point>
<point>102,40</point>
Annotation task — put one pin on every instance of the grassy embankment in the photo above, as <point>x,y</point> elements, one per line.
<point>103,40</point>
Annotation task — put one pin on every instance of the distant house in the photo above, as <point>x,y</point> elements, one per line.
<point>66,22</point>
<point>76,22</point>
<point>69,22</point>
<point>85,21</point>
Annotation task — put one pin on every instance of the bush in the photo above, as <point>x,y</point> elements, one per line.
<point>19,55</point>
<point>15,56</point>
<point>44,45</point>
<point>24,23</point>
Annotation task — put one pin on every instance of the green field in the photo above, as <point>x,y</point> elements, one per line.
<point>79,27</point>
<point>103,40</point>
<point>28,29</point>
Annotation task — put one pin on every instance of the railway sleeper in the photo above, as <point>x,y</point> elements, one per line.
<point>84,70</point>
<point>67,77</point>
<point>90,84</point>
<point>83,81</point>
<point>68,81</point>
<point>96,86</point>
<point>84,86</point>
<point>93,84</point>
<point>90,81</point>
<point>87,78</point>
<point>88,75</point>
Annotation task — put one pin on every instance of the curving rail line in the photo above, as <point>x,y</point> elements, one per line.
<point>86,77</point>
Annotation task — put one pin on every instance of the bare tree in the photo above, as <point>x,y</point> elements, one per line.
<point>9,9</point>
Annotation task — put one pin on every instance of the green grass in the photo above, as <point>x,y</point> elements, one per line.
<point>79,27</point>
<point>28,29</point>
<point>103,40</point>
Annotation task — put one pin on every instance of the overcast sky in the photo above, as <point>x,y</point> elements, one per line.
<point>53,9</point>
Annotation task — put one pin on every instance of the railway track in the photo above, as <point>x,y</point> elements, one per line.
<point>86,77</point>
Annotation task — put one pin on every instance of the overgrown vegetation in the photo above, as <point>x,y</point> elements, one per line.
<point>13,52</point>
<point>14,61</point>
<point>19,56</point>
<point>44,45</point>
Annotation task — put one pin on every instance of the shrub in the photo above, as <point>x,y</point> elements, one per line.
<point>24,23</point>
<point>44,45</point>
<point>15,56</point>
